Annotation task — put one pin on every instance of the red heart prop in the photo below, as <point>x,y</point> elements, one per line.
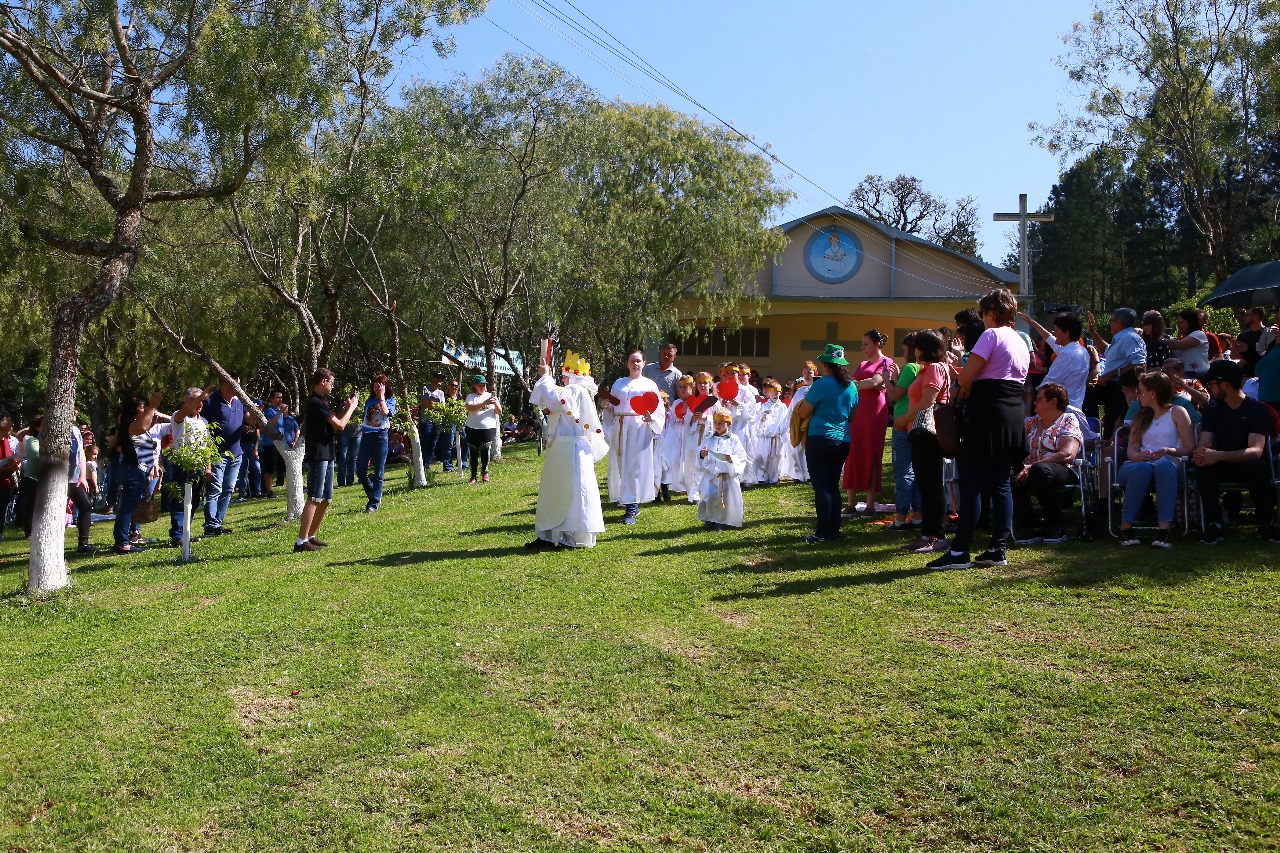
<point>646,403</point>
<point>679,410</point>
<point>728,389</point>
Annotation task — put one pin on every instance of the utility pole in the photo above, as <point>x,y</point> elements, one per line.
<point>1024,263</point>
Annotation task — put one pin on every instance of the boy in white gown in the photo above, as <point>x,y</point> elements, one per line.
<point>674,477</point>
<point>631,437</point>
<point>721,459</point>
<point>743,409</point>
<point>794,464</point>
<point>772,433</point>
<point>568,514</point>
<point>697,426</point>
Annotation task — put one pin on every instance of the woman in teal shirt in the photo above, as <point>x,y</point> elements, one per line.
<point>828,404</point>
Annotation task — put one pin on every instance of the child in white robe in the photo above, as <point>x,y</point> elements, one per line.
<point>697,426</point>
<point>721,459</point>
<point>675,436</point>
<point>743,409</point>
<point>772,433</point>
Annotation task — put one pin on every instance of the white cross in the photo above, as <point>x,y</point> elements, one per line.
<point>1022,218</point>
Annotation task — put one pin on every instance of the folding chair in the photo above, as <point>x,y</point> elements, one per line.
<point>1115,489</point>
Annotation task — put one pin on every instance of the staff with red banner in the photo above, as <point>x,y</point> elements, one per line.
<point>634,416</point>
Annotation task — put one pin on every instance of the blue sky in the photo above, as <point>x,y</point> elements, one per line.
<point>942,91</point>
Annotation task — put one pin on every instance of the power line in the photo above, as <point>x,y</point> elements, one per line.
<point>658,77</point>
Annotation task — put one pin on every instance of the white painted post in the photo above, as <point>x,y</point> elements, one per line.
<point>186,522</point>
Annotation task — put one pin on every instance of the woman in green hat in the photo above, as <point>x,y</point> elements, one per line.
<point>483,412</point>
<point>827,405</point>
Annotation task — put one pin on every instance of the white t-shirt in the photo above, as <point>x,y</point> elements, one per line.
<point>484,418</point>
<point>1070,369</point>
<point>1197,358</point>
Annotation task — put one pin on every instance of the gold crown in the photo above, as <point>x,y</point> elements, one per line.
<point>703,376</point>
<point>575,364</point>
<point>686,380</point>
<point>722,416</point>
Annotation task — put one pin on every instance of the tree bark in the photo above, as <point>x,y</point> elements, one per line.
<point>47,569</point>
<point>295,494</point>
<point>419,480</point>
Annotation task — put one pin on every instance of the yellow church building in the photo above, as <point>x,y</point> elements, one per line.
<point>840,275</point>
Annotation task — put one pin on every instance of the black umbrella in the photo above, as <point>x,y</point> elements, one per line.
<point>1255,285</point>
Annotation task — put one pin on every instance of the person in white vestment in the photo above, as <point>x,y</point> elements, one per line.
<point>697,426</point>
<point>568,513</point>
<point>631,437</point>
<point>772,433</point>
<point>722,460</point>
<point>794,464</point>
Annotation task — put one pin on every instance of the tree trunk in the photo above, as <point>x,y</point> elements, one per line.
<point>419,479</point>
<point>48,563</point>
<point>295,492</point>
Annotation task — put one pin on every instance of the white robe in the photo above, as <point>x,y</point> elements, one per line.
<point>794,464</point>
<point>696,427</point>
<point>773,426</point>
<point>672,443</point>
<point>743,408</point>
<point>569,510</point>
<point>631,464</point>
<point>720,500</point>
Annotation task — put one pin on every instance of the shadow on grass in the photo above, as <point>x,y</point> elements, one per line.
<point>408,558</point>
<point>1098,565</point>
<point>805,586</point>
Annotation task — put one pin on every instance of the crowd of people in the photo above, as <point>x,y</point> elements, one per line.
<point>1010,414</point>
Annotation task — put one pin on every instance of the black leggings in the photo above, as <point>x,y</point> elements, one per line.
<point>926,462</point>
<point>84,507</point>
<point>481,443</point>
<point>1045,480</point>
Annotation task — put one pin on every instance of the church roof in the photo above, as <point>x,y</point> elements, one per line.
<point>1001,275</point>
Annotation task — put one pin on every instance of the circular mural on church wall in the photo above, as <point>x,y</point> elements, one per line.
<point>833,254</point>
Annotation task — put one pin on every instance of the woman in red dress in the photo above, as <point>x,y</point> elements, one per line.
<point>863,467</point>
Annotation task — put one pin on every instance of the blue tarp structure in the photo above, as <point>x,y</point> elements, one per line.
<point>473,358</point>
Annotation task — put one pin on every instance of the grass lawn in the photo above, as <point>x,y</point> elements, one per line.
<point>426,683</point>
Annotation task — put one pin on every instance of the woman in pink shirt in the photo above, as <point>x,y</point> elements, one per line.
<point>993,439</point>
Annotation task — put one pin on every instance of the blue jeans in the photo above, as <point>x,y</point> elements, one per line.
<point>988,478</point>
<point>221,486</point>
<point>446,443</point>
<point>320,480</point>
<point>373,449</point>
<point>173,503</point>
<point>249,483</point>
<point>427,441</point>
<point>133,485</point>
<point>906,496</point>
<point>825,458</point>
<point>348,449</point>
<point>1136,477</point>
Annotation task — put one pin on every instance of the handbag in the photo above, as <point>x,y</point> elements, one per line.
<point>147,511</point>
<point>942,420</point>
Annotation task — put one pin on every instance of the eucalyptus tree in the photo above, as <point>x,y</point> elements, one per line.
<point>1184,88</point>
<point>157,103</point>
<point>497,155</point>
<point>672,229</point>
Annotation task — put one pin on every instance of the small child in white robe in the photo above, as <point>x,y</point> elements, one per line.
<point>697,426</point>
<point>772,433</point>
<point>722,460</point>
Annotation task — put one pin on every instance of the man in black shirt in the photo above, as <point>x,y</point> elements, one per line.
<point>320,431</point>
<point>1253,325</point>
<point>1234,432</point>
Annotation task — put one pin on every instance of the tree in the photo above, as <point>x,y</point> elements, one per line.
<point>151,104</point>
<point>903,203</point>
<point>1182,88</point>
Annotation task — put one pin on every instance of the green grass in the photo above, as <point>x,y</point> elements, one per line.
<point>671,689</point>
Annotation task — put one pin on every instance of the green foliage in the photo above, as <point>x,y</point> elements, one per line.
<point>415,686</point>
<point>450,413</point>
<point>1219,319</point>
